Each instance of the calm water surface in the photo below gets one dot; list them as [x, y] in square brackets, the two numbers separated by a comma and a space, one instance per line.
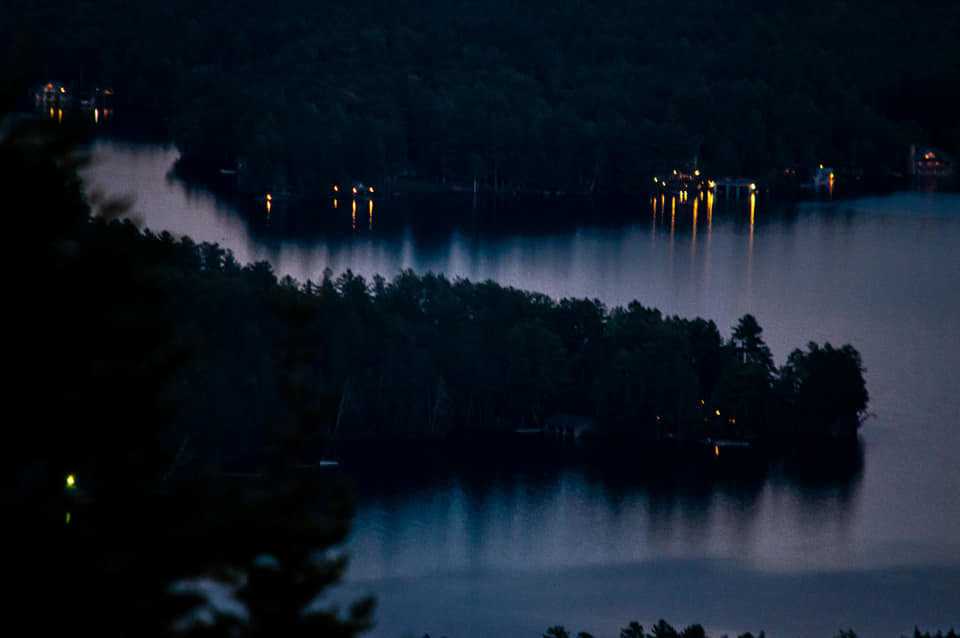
[512, 550]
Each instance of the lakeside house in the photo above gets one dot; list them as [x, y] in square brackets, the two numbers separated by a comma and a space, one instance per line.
[53, 94]
[930, 162]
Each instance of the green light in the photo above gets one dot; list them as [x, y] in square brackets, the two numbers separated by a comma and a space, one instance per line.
[68, 518]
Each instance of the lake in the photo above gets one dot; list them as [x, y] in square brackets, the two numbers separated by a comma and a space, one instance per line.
[511, 547]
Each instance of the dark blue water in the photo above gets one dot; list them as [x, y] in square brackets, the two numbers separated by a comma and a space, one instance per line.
[511, 549]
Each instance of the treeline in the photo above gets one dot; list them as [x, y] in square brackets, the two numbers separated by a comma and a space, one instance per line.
[231, 357]
[663, 629]
[589, 95]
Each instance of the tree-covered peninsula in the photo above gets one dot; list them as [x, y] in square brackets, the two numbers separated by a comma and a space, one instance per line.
[173, 354]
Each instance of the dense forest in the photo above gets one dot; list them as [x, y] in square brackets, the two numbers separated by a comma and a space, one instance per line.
[588, 95]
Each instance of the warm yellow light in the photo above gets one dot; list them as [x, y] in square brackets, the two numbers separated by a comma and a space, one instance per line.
[336, 188]
[656, 181]
[718, 412]
[334, 203]
[63, 90]
[96, 115]
[354, 190]
[753, 187]
[371, 189]
[701, 401]
[821, 166]
[697, 173]
[269, 197]
[674, 171]
[716, 450]
[71, 481]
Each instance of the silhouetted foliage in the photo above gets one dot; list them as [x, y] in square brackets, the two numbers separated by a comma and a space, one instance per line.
[109, 503]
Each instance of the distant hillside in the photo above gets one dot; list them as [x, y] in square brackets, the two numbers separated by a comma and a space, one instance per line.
[585, 94]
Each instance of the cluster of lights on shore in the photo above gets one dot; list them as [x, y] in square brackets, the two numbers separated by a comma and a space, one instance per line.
[356, 190]
[682, 183]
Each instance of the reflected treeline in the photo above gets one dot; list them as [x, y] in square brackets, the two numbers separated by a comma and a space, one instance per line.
[667, 477]
[436, 218]
[437, 507]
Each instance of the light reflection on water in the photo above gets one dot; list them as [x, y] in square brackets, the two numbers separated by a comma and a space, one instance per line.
[880, 273]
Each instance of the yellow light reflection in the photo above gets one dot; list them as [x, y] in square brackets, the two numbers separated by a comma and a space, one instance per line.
[753, 208]
[96, 115]
[716, 450]
[709, 211]
[334, 203]
[52, 113]
[71, 481]
[59, 116]
[353, 214]
[370, 213]
[693, 239]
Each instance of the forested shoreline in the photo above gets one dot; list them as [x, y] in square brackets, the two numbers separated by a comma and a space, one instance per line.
[218, 359]
[588, 96]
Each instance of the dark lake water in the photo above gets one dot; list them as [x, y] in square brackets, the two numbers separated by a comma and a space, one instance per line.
[510, 548]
